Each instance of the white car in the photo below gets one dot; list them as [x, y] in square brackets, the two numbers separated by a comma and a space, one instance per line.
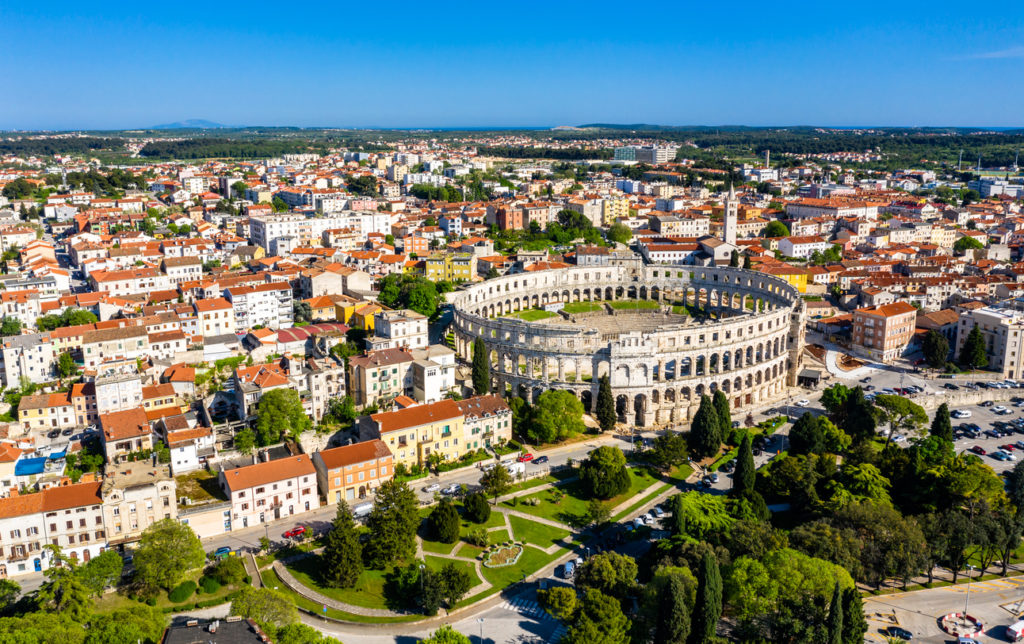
[434, 487]
[803, 402]
[998, 409]
[961, 413]
[899, 438]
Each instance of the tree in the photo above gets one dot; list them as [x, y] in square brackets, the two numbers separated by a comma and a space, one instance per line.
[264, 606]
[101, 572]
[9, 592]
[245, 440]
[972, 354]
[66, 365]
[280, 413]
[604, 474]
[455, 583]
[496, 481]
[605, 404]
[743, 476]
[609, 572]
[10, 326]
[942, 427]
[705, 431]
[597, 512]
[239, 187]
[63, 591]
[167, 550]
[444, 522]
[672, 616]
[833, 399]
[708, 607]
[859, 416]
[619, 233]
[340, 410]
[806, 436]
[746, 262]
[668, 450]
[279, 205]
[936, 349]
[900, 413]
[556, 416]
[302, 311]
[302, 634]
[559, 601]
[478, 510]
[855, 625]
[392, 522]
[342, 557]
[228, 571]
[137, 623]
[722, 411]
[734, 259]
[776, 229]
[446, 635]
[966, 243]
[598, 621]
[893, 545]
[835, 617]
[699, 515]
[481, 368]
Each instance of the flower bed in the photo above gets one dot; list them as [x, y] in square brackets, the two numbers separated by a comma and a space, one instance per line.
[501, 556]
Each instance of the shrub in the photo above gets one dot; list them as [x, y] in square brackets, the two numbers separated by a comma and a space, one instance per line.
[477, 537]
[478, 510]
[182, 591]
[209, 585]
[228, 571]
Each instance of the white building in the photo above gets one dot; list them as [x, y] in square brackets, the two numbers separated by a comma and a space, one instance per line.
[268, 491]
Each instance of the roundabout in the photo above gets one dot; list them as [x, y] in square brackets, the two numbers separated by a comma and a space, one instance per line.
[663, 335]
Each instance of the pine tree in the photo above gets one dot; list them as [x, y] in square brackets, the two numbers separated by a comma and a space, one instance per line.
[860, 416]
[673, 620]
[743, 477]
[724, 416]
[942, 427]
[481, 368]
[835, 618]
[972, 354]
[708, 608]
[605, 405]
[854, 624]
[705, 431]
[445, 522]
[342, 558]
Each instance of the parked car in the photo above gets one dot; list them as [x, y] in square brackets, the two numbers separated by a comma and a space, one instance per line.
[986, 403]
[53, 433]
[297, 531]
[568, 570]
[658, 512]
[714, 477]
[540, 459]
[433, 487]
[899, 633]
[452, 489]
[978, 449]
[803, 402]
[951, 386]
[866, 379]
[998, 409]
[525, 458]
[1000, 455]
[219, 553]
[960, 413]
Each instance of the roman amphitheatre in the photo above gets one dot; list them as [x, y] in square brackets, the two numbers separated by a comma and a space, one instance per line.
[664, 335]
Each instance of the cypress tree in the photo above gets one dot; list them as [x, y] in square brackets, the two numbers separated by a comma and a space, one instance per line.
[342, 558]
[854, 624]
[724, 416]
[705, 431]
[605, 405]
[708, 608]
[746, 262]
[481, 368]
[743, 477]
[445, 522]
[673, 620]
[973, 354]
[835, 618]
[734, 259]
[942, 427]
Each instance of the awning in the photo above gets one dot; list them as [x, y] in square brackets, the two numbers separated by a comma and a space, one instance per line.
[810, 374]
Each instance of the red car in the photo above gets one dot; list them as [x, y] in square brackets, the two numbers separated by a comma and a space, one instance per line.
[978, 449]
[297, 531]
[525, 458]
[1008, 448]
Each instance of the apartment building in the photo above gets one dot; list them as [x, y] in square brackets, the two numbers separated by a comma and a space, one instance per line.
[268, 305]
[380, 376]
[22, 535]
[73, 520]
[352, 472]
[802, 247]
[23, 305]
[271, 490]
[119, 344]
[135, 496]
[433, 373]
[182, 269]
[883, 332]
[129, 282]
[46, 412]
[488, 421]
[394, 329]
[449, 267]
[26, 356]
[124, 432]
[414, 433]
[214, 316]
[1002, 329]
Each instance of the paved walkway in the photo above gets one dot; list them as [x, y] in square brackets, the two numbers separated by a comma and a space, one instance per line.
[293, 583]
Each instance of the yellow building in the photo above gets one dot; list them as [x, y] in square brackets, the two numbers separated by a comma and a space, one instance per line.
[793, 274]
[362, 317]
[415, 433]
[449, 267]
[613, 208]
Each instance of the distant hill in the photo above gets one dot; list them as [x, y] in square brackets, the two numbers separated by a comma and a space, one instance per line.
[190, 124]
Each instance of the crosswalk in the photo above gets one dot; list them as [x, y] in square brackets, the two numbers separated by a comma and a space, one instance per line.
[992, 584]
[527, 607]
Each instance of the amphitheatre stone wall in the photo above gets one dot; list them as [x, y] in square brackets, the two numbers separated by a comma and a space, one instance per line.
[746, 339]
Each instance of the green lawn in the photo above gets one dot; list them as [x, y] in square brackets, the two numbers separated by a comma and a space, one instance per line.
[537, 533]
[436, 563]
[572, 504]
[438, 548]
[582, 307]
[368, 591]
[497, 536]
[634, 304]
[529, 562]
[532, 315]
[271, 580]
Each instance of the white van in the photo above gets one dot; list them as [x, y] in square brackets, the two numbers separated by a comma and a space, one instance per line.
[362, 510]
[1015, 632]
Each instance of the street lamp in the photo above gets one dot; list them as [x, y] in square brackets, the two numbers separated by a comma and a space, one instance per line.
[970, 570]
[481, 622]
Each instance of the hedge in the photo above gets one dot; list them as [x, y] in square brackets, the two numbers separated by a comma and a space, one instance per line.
[183, 591]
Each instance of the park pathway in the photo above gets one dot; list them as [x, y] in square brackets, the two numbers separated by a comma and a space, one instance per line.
[297, 586]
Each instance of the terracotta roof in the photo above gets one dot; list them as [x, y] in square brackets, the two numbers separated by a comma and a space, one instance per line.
[71, 496]
[479, 406]
[888, 310]
[119, 425]
[354, 454]
[416, 416]
[270, 472]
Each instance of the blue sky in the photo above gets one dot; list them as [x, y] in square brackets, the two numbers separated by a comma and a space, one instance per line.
[75, 65]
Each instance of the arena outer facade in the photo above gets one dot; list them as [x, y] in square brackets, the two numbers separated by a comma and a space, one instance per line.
[752, 353]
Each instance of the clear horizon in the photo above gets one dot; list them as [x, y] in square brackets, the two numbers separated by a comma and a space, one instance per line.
[73, 66]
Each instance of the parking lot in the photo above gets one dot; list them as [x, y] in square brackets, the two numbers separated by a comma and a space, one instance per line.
[985, 418]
